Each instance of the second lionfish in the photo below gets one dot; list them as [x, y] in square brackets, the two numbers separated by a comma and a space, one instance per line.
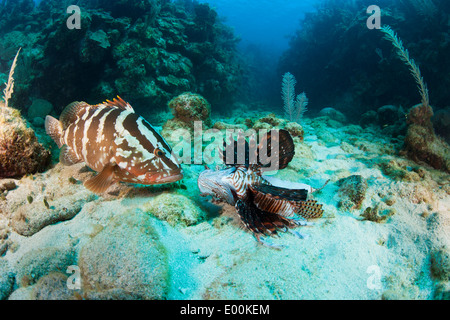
[265, 204]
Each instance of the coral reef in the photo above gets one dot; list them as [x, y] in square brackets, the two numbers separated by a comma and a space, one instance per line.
[352, 192]
[170, 243]
[330, 50]
[333, 114]
[187, 108]
[53, 287]
[145, 51]
[441, 123]
[175, 209]
[421, 143]
[20, 151]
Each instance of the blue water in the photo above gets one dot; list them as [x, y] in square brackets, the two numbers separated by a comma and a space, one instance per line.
[268, 24]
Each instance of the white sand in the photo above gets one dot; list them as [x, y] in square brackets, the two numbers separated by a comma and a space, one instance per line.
[343, 257]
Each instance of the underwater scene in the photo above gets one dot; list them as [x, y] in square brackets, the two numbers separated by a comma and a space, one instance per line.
[224, 150]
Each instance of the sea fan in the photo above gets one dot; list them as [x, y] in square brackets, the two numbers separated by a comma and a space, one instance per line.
[10, 85]
[294, 108]
[300, 106]
[404, 55]
[288, 94]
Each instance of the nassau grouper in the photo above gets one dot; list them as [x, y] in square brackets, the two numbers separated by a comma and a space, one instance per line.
[114, 141]
[264, 204]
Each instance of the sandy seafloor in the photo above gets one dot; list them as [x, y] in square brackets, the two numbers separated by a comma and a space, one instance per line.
[210, 256]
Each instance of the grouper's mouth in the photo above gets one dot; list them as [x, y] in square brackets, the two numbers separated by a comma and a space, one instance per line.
[165, 176]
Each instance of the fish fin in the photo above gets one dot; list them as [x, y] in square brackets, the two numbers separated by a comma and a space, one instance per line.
[102, 181]
[261, 222]
[310, 209]
[280, 192]
[231, 152]
[71, 111]
[119, 103]
[255, 156]
[277, 200]
[54, 129]
[283, 154]
[67, 156]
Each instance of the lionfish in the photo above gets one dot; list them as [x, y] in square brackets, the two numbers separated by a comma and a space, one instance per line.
[264, 204]
[114, 141]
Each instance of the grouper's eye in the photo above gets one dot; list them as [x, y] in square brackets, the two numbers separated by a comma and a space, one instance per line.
[158, 152]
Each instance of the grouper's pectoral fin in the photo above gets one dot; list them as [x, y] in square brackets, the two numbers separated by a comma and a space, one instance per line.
[102, 181]
[67, 156]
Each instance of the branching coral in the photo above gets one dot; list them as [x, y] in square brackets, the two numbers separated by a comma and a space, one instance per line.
[421, 143]
[294, 108]
[404, 55]
[10, 84]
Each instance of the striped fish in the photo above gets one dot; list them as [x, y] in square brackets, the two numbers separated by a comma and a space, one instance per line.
[265, 205]
[114, 141]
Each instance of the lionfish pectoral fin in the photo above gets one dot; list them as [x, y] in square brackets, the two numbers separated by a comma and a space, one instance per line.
[269, 244]
[281, 193]
[102, 181]
[262, 222]
[282, 155]
[67, 156]
[298, 234]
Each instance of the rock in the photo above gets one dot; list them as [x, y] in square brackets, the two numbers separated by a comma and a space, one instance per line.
[6, 279]
[442, 291]
[22, 293]
[53, 287]
[333, 114]
[440, 265]
[377, 215]
[20, 151]
[7, 184]
[220, 125]
[441, 123]
[387, 115]
[125, 261]
[38, 122]
[399, 170]
[352, 191]
[421, 143]
[295, 129]
[40, 262]
[175, 209]
[40, 108]
[189, 107]
[273, 120]
[368, 118]
[32, 217]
